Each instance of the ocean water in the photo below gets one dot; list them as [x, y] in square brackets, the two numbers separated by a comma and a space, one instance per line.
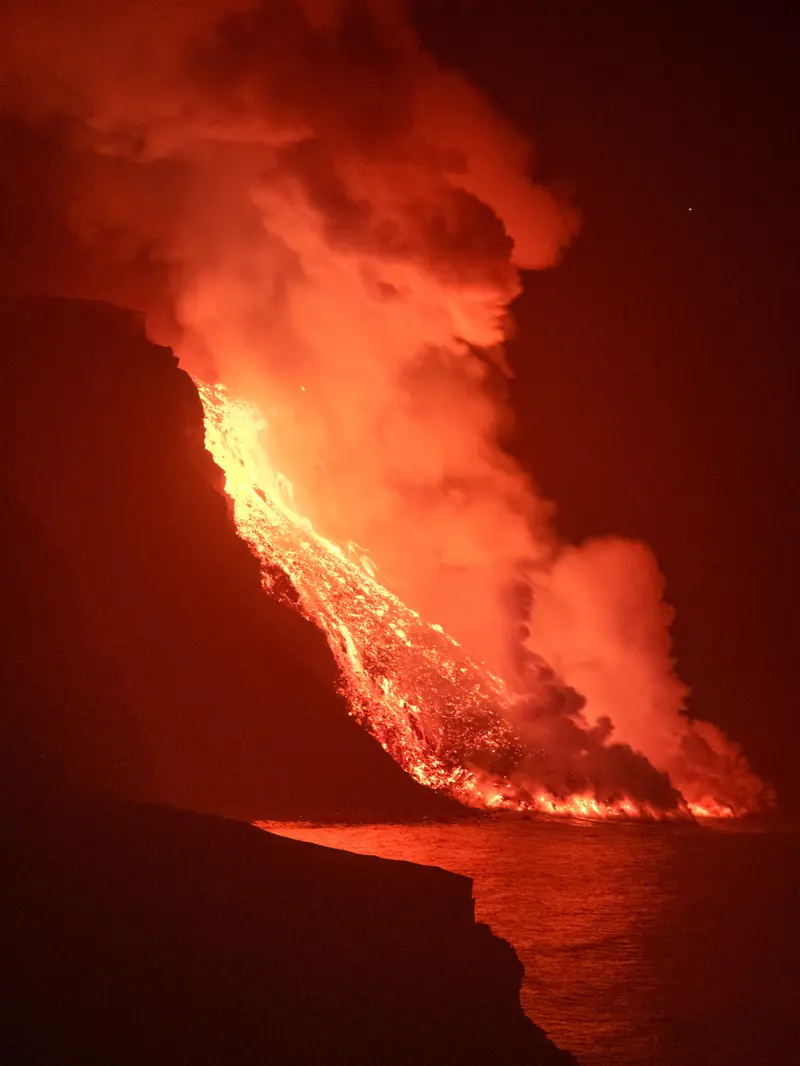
[670, 945]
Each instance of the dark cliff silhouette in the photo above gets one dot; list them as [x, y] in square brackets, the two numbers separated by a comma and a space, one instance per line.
[137, 933]
[142, 934]
[233, 694]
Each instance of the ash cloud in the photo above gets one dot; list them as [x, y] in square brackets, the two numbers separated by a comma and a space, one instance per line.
[317, 214]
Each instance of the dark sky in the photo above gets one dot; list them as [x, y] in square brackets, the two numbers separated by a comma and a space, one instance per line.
[655, 366]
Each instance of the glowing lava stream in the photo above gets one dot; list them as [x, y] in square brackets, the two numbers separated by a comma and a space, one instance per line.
[441, 715]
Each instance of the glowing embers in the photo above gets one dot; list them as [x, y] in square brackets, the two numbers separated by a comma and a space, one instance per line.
[711, 809]
[442, 716]
[438, 713]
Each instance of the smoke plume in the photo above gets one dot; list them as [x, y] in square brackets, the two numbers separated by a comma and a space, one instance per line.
[339, 225]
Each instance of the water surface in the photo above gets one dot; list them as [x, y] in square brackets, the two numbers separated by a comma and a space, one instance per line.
[642, 944]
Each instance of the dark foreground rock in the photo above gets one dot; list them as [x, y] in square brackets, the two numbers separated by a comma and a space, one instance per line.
[142, 934]
[231, 695]
[138, 656]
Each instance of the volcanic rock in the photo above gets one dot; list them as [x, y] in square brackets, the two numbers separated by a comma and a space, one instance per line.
[136, 933]
[231, 695]
[142, 934]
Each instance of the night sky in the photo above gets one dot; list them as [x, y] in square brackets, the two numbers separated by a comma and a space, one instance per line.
[655, 365]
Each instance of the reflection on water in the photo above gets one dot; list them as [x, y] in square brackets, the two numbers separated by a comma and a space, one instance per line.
[642, 944]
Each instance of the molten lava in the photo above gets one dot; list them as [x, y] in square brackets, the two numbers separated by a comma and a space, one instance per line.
[315, 202]
[445, 718]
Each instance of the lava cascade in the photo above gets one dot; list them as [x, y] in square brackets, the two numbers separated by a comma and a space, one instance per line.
[445, 717]
[317, 213]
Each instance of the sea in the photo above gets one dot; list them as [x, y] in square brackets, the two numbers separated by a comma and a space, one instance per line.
[644, 944]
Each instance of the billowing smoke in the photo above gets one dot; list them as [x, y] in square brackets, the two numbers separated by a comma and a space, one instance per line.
[601, 621]
[342, 225]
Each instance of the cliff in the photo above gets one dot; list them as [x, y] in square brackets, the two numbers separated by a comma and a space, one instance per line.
[140, 934]
[231, 696]
[138, 656]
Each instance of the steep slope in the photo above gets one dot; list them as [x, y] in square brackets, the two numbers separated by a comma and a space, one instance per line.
[233, 694]
[140, 933]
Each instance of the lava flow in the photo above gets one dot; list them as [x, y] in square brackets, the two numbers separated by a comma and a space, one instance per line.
[444, 717]
[315, 211]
